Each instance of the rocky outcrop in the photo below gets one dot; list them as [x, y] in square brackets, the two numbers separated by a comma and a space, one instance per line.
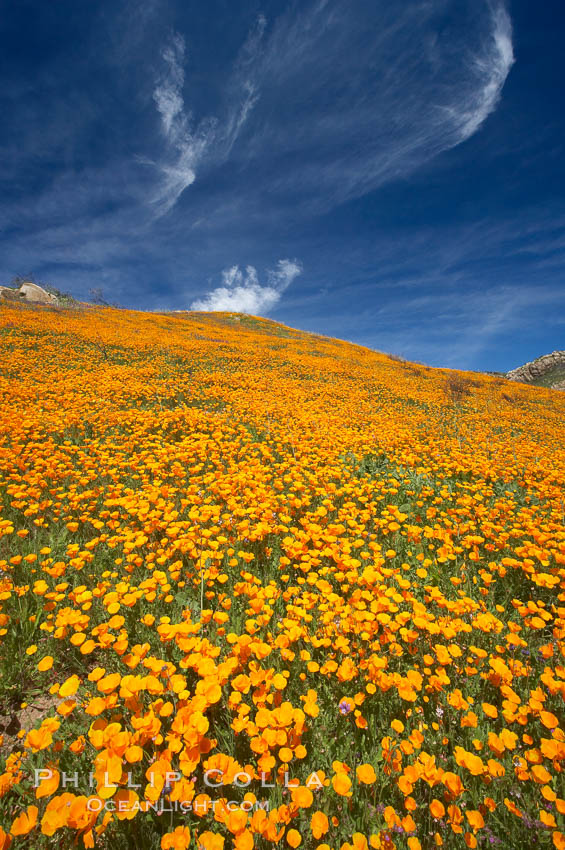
[29, 293]
[548, 371]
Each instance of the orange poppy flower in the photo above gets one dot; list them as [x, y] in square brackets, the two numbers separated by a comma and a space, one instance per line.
[24, 823]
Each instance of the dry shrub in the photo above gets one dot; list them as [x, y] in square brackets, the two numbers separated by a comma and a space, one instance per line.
[457, 388]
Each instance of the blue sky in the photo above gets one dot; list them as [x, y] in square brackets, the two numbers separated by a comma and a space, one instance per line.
[389, 172]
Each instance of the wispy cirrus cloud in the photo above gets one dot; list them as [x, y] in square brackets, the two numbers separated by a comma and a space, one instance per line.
[213, 138]
[332, 100]
[243, 88]
[355, 96]
[454, 328]
[241, 291]
[185, 147]
[491, 67]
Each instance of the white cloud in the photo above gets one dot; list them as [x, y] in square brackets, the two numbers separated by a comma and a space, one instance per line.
[357, 95]
[239, 114]
[242, 293]
[243, 91]
[491, 66]
[334, 100]
[168, 94]
[185, 148]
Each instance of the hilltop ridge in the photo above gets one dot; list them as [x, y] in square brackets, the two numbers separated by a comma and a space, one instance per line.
[545, 371]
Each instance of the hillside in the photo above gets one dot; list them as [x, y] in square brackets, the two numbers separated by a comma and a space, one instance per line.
[235, 552]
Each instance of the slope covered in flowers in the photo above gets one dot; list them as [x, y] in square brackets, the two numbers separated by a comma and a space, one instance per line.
[265, 589]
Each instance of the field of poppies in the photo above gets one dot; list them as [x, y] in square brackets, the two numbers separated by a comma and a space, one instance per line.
[260, 588]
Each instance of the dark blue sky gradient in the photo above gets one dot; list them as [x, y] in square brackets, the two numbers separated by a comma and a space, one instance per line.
[391, 173]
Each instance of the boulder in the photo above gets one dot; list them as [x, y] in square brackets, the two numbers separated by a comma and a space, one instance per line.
[36, 294]
[8, 294]
[29, 292]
